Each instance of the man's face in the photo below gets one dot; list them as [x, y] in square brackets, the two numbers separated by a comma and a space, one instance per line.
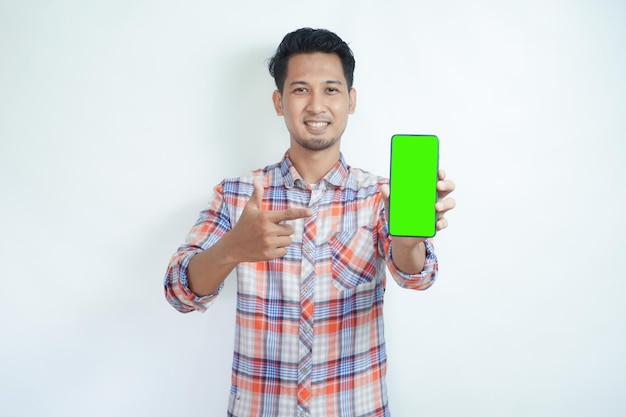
[315, 101]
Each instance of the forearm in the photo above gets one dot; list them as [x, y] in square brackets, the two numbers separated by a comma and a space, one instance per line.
[208, 269]
[409, 257]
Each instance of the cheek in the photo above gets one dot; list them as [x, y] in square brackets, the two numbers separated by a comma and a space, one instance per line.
[341, 109]
[291, 110]
[291, 120]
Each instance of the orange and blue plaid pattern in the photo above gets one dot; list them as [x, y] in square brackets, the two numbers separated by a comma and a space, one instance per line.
[309, 328]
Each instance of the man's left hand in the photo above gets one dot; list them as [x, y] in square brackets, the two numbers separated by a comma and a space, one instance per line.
[443, 205]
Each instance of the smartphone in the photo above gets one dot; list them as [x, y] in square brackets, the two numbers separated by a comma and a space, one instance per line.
[413, 185]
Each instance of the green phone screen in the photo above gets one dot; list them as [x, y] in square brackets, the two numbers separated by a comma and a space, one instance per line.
[413, 185]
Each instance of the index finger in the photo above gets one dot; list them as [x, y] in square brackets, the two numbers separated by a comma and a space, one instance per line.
[289, 214]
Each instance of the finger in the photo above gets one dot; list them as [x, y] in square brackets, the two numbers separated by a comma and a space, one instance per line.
[444, 188]
[446, 185]
[256, 199]
[442, 224]
[277, 248]
[289, 214]
[441, 174]
[277, 253]
[445, 205]
[283, 241]
[284, 229]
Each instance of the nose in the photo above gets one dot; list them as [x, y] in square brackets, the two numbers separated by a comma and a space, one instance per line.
[316, 103]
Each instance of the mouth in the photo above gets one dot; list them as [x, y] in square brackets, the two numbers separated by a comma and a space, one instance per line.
[316, 124]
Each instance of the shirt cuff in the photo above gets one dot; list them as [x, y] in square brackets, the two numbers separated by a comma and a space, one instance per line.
[179, 294]
[421, 280]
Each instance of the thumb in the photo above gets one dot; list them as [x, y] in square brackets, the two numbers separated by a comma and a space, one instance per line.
[384, 192]
[256, 199]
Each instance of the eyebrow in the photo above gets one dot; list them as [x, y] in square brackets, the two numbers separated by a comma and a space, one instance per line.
[306, 83]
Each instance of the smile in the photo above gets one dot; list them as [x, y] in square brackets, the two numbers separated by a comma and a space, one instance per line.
[317, 125]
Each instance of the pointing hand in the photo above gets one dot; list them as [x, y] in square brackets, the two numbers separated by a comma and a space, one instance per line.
[260, 235]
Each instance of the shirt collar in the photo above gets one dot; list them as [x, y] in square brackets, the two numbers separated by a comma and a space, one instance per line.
[337, 176]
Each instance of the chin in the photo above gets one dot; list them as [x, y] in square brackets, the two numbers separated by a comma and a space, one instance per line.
[316, 144]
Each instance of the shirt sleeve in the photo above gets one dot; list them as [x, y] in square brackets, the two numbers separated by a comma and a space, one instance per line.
[420, 281]
[211, 225]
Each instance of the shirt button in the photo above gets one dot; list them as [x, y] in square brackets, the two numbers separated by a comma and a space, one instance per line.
[305, 371]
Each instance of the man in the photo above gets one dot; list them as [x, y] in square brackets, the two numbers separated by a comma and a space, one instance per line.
[309, 239]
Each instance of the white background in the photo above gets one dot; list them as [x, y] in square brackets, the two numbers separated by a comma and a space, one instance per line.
[118, 117]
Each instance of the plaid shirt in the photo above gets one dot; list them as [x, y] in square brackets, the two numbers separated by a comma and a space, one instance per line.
[309, 330]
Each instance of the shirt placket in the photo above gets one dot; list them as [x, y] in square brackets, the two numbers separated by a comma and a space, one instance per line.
[307, 286]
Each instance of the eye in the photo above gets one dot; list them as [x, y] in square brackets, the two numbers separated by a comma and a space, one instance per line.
[332, 90]
[300, 90]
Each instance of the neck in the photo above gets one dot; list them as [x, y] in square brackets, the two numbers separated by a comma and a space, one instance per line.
[313, 165]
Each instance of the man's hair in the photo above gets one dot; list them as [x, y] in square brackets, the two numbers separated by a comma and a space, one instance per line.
[307, 41]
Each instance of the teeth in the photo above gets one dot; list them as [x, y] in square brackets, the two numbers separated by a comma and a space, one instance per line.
[317, 124]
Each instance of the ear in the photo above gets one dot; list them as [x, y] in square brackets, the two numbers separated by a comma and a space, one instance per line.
[277, 98]
[352, 103]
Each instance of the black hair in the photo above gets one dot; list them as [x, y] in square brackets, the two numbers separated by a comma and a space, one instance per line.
[307, 40]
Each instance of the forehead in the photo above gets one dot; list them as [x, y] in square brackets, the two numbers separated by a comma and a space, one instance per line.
[313, 66]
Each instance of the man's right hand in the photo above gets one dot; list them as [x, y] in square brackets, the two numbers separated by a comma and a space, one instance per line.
[261, 235]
